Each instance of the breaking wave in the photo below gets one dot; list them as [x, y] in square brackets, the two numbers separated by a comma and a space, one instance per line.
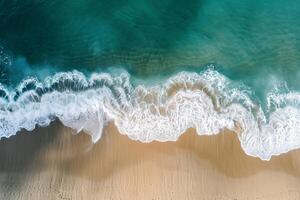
[207, 101]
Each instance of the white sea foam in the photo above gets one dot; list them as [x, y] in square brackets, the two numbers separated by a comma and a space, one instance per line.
[208, 102]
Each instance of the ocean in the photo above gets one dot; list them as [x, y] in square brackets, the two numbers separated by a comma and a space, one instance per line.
[155, 69]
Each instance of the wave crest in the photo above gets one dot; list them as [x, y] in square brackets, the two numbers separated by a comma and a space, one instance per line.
[208, 102]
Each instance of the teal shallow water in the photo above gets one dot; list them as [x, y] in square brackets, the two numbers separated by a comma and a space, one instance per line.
[252, 47]
[247, 38]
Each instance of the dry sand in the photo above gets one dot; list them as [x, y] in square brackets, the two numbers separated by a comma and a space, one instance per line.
[51, 163]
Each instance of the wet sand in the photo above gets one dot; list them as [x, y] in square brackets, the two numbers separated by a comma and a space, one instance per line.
[53, 163]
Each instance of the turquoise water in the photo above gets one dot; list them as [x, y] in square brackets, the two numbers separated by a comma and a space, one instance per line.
[155, 68]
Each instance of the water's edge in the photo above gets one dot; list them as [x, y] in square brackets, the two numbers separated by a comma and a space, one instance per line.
[206, 101]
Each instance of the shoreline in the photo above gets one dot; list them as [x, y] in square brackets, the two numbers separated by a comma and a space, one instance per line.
[53, 163]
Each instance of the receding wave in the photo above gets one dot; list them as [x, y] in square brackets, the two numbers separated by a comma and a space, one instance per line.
[207, 101]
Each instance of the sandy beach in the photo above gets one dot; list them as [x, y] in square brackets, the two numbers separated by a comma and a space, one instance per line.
[53, 163]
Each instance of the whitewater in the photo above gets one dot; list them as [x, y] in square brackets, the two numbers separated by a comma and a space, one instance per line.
[207, 101]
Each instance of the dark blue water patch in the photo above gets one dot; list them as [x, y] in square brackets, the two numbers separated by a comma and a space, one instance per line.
[3, 94]
[73, 32]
